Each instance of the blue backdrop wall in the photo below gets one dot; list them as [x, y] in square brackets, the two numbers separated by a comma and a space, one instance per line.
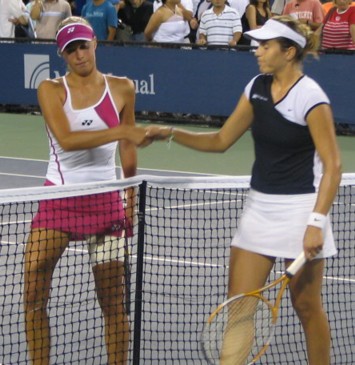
[197, 81]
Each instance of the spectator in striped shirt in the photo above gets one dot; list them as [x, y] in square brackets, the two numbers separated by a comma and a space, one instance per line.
[220, 25]
[339, 26]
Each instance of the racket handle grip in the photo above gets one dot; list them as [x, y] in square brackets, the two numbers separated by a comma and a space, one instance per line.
[296, 265]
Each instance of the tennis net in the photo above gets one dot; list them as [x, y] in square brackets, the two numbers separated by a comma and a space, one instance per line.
[178, 261]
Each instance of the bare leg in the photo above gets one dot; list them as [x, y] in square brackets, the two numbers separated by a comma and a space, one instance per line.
[247, 271]
[109, 278]
[43, 249]
[238, 335]
[306, 289]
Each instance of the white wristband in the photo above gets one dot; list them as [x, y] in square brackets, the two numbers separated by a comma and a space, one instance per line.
[317, 220]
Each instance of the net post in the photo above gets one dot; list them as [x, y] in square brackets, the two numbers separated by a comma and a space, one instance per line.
[139, 273]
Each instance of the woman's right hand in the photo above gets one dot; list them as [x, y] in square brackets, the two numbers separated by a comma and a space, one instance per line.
[158, 133]
[139, 137]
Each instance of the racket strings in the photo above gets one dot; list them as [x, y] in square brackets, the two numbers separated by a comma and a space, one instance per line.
[239, 332]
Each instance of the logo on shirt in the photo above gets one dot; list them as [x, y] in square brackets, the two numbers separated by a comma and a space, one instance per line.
[36, 69]
[260, 97]
[87, 122]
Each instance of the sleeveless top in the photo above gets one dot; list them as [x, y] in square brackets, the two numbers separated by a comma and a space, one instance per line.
[88, 165]
[174, 30]
[261, 19]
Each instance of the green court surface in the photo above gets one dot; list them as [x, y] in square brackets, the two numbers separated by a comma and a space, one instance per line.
[24, 136]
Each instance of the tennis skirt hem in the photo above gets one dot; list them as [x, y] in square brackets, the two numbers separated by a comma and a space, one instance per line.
[274, 225]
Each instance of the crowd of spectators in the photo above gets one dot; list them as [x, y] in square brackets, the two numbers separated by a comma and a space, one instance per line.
[204, 22]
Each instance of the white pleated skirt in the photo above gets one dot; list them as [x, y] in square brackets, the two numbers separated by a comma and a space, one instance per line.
[274, 225]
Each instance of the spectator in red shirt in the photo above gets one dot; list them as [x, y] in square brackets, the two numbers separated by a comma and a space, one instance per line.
[339, 26]
[309, 12]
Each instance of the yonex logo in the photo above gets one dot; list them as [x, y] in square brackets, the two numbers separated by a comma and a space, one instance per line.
[87, 122]
[70, 30]
[36, 68]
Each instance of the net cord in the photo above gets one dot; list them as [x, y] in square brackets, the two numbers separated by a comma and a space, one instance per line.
[209, 182]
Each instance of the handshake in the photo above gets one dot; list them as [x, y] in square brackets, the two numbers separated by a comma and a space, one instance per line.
[143, 137]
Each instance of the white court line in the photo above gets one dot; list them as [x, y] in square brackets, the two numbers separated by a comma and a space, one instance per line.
[148, 210]
[117, 167]
[151, 258]
[16, 222]
[195, 263]
[22, 175]
[24, 159]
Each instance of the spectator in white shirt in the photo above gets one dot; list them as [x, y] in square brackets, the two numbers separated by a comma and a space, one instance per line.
[12, 12]
[220, 25]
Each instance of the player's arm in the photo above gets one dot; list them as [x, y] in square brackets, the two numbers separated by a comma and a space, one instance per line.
[235, 126]
[51, 96]
[127, 150]
[321, 125]
[128, 153]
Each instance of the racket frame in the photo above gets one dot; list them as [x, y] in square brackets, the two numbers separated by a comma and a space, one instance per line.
[274, 307]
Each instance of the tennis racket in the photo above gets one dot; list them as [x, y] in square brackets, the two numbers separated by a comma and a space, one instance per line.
[240, 330]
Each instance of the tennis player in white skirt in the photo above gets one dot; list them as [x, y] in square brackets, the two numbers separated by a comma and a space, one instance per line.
[295, 176]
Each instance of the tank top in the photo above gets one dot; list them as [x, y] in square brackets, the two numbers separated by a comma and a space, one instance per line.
[89, 165]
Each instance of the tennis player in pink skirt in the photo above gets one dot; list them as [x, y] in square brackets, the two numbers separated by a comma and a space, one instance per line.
[86, 114]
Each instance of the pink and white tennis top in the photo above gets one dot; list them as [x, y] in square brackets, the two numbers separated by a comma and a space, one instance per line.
[88, 165]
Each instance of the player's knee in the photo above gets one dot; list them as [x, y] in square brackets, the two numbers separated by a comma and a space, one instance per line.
[306, 307]
[111, 306]
[35, 297]
[34, 305]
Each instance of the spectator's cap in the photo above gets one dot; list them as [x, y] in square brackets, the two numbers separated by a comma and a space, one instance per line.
[73, 32]
[274, 29]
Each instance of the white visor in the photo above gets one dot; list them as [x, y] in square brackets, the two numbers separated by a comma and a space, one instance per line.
[274, 29]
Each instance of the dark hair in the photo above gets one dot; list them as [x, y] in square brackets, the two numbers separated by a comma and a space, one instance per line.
[266, 4]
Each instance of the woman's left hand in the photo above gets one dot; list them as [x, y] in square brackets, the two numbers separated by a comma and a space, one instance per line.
[313, 242]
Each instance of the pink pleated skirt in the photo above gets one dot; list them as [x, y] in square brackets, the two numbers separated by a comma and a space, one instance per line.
[101, 214]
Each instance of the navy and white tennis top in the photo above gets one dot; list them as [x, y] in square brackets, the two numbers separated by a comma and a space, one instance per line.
[88, 165]
[286, 161]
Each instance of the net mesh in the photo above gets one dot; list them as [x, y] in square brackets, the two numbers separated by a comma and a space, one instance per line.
[178, 259]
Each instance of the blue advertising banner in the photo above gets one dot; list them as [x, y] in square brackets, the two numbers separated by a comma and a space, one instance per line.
[196, 81]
